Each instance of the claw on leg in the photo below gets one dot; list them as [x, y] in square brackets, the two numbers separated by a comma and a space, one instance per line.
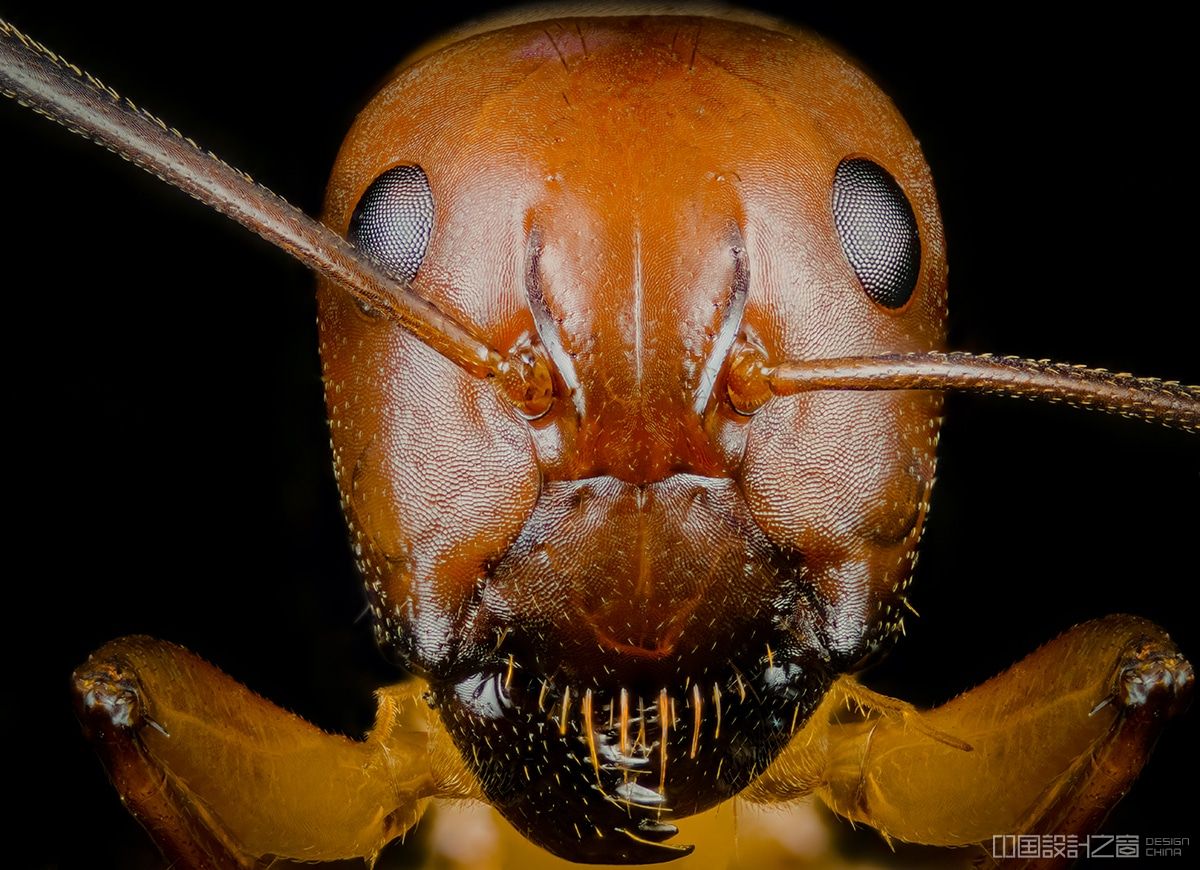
[223, 778]
[1048, 746]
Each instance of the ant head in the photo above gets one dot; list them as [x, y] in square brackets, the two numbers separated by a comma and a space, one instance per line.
[613, 567]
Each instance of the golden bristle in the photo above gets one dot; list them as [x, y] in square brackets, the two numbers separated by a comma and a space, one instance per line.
[566, 709]
[591, 737]
[624, 739]
[665, 725]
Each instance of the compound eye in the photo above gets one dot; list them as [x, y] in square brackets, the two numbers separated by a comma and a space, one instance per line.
[393, 220]
[878, 230]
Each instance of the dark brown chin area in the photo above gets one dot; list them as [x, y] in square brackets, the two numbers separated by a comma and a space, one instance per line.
[639, 654]
[596, 774]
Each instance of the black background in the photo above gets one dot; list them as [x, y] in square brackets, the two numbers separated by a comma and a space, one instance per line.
[167, 462]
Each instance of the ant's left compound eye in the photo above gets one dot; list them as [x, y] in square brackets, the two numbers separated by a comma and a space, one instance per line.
[394, 219]
[878, 230]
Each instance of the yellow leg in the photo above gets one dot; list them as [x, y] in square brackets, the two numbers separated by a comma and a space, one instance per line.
[1049, 746]
[222, 778]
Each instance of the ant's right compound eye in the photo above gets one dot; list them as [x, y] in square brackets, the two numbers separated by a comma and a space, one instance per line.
[878, 231]
[394, 219]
